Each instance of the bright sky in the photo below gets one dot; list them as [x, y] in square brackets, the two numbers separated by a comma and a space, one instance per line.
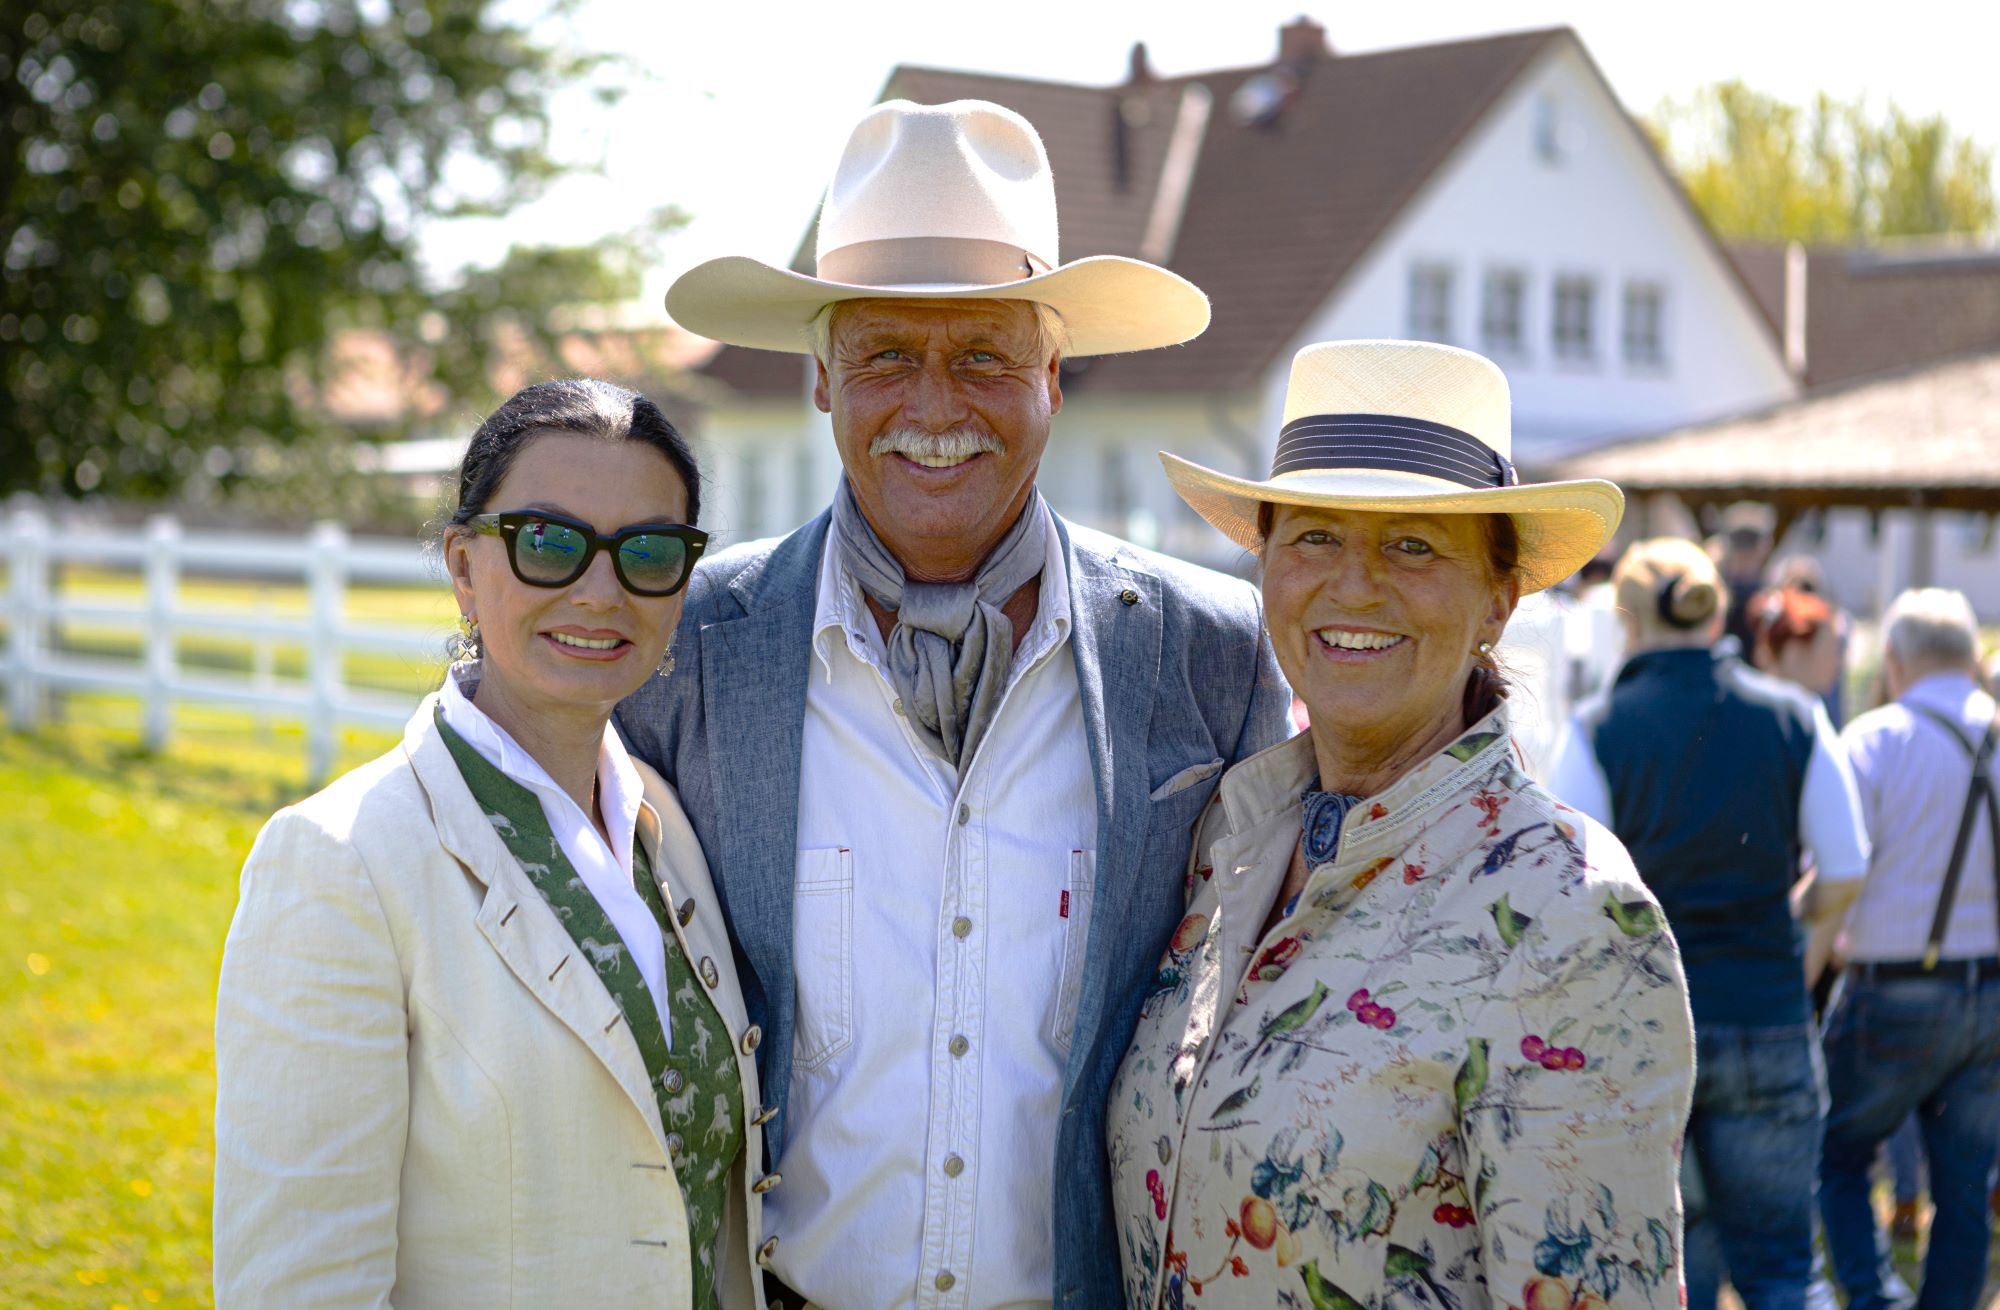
[749, 101]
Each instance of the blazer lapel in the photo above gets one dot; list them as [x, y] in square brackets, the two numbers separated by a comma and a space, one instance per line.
[1115, 625]
[517, 921]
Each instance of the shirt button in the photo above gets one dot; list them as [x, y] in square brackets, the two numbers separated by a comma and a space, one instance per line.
[766, 1251]
[961, 927]
[672, 1081]
[944, 1282]
[953, 1166]
[770, 1112]
[767, 1182]
[751, 1037]
[959, 1046]
[964, 814]
[899, 705]
[709, 973]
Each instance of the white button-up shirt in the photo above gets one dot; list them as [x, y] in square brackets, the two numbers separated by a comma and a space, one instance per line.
[606, 870]
[1913, 780]
[939, 932]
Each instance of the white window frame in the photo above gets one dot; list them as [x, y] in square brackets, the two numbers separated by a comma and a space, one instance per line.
[1654, 358]
[1568, 345]
[1431, 290]
[1515, 345]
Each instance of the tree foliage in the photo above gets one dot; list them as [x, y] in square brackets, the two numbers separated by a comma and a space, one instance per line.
[198, 195]
[1832, 171]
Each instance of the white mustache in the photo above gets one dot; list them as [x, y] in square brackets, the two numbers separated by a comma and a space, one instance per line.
[953, 444]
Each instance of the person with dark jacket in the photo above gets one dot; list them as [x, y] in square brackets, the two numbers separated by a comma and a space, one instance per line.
[1718, 779]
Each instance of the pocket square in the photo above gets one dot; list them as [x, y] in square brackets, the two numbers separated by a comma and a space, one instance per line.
[1187, 778]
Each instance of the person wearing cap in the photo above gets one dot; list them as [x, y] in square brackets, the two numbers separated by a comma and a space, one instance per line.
[1421, 1037]
[1718, 779]
[945, 749]
[1915, 1020]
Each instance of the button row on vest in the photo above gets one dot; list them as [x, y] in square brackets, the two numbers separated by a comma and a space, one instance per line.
[675, 1146]
[765, 1115]
[767, 1182]
[766, 1251]
[687, 912]
[751, 1037]
[672, 1081]
[709, 973]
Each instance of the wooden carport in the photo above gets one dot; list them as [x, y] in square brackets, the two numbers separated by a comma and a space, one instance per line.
[1925, 439]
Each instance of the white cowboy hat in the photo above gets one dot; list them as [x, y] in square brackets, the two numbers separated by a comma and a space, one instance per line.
[1407, 425]
[933, 202]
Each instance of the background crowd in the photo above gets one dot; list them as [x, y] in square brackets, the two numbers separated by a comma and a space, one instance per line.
[1827, 861]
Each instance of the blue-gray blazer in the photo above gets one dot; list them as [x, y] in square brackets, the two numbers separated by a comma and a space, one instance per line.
[1178, 682]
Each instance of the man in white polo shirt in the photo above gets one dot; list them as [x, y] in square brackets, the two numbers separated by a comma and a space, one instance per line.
[1915, 1025]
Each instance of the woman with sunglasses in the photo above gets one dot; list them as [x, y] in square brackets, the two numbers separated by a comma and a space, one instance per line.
[478, 1037]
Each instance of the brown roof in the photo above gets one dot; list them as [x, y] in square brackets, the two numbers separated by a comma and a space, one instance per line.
[1927, 435]
[1278, 210]
[1873, 310]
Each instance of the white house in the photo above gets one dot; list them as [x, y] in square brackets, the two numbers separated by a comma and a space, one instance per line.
[1490, 193]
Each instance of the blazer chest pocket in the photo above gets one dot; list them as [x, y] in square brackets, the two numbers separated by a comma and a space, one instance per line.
[823, 956]
[1078, 899]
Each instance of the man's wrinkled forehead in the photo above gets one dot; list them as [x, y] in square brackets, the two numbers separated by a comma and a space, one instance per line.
[957, 322]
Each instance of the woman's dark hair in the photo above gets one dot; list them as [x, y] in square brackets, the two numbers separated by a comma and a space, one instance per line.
[1487, 686]
[584, 406]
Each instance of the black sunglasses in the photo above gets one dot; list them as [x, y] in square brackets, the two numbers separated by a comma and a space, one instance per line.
[552, 550]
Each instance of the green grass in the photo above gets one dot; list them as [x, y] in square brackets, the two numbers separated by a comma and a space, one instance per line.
[116, 887]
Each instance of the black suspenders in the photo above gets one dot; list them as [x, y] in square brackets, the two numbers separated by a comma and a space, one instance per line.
[1982, 787]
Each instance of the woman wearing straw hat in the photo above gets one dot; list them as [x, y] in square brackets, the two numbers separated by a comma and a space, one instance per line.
[1422, 1031]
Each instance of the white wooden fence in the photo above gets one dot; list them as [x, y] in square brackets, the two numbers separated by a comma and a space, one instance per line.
[325, 558]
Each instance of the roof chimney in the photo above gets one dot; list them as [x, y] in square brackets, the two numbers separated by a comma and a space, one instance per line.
[1302, 43]
[1139, 71]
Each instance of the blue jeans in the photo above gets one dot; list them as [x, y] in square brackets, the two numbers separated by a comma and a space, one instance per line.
[1754, 1134]
[1931, 1045]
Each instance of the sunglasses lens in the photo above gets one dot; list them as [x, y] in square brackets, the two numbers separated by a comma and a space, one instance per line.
[548, 552]
[653, 562]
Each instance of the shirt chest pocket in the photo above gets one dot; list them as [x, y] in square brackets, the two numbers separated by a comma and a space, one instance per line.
[823, 956]
[1078, 897]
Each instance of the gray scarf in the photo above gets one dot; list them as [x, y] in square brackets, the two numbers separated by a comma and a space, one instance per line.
[951, 648]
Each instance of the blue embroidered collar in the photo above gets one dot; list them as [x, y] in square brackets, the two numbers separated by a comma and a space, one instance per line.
[1323, 813]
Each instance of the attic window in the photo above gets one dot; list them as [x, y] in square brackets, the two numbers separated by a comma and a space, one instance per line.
[1549, 146]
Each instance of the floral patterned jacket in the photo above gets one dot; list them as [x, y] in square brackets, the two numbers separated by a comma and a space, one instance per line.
[1454, 1074]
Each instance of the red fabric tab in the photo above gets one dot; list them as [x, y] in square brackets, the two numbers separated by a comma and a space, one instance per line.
[1065, 905]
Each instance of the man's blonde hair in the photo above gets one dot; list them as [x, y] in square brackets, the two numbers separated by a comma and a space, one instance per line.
[1052, 334]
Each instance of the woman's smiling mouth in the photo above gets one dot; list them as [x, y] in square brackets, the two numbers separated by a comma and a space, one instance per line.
[1349, 641]
[578, 645]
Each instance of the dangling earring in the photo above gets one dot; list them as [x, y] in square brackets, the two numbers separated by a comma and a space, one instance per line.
[468, 638]
[666, 661]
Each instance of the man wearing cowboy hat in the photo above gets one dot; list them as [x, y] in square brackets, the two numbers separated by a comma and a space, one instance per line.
[943, 749]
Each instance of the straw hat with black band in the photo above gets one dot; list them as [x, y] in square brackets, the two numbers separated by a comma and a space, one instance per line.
[1411, 426]
[941, 202]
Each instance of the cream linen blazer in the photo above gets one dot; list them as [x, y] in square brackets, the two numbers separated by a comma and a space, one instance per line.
[422, 1097]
